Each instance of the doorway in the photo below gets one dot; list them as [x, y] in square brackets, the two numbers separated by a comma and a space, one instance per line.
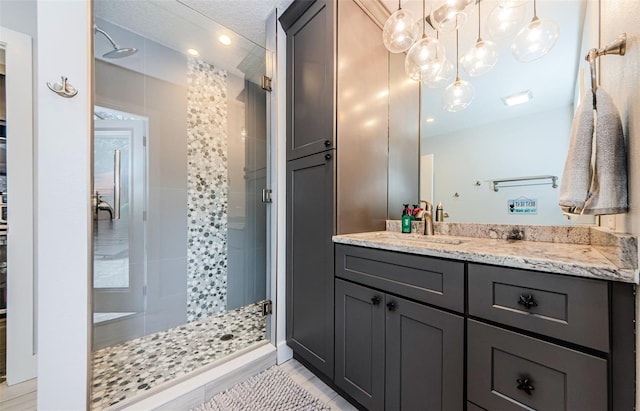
[119, 194]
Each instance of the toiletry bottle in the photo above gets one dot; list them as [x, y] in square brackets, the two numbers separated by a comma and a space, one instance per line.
[406, 219]
[439, 212]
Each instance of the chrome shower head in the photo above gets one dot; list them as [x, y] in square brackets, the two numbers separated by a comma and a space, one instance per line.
[120, 53]
[117, 52]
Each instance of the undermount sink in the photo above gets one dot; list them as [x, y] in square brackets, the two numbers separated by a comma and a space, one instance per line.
[418, 238]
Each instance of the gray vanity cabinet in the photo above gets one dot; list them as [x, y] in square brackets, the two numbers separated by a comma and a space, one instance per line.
[424, 357]
[360, 343]
[510, 371]
[336, 183]
[548, 341]
[309, 279]
[310, 83]
[393, 353]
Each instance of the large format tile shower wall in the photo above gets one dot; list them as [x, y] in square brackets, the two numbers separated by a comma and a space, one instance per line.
[207, 190]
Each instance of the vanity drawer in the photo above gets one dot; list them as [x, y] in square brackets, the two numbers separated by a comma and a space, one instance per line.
[430, 280]
[510, 371]
[564, 307]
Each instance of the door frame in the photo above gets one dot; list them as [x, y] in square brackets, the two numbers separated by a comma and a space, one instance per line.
[21, 349]
[130, 299]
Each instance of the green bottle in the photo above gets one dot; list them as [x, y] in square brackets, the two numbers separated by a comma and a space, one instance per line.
[406, 219]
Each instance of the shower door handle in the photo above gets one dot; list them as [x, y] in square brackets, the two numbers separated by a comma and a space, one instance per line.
[117, 184]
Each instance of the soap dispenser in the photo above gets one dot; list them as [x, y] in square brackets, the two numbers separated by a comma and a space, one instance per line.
[406, 219]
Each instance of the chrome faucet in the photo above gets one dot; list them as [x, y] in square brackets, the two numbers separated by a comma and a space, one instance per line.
[428, 217]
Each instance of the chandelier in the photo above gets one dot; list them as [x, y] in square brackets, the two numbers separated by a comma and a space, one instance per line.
[426, 59]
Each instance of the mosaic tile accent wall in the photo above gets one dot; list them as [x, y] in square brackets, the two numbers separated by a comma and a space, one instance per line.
[207, 190]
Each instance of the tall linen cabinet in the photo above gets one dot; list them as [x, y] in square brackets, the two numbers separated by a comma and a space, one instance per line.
[337, 157]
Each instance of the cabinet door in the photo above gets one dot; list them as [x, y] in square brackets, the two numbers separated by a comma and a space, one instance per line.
[360, 343]
[424, 357]
[310, 224]
[510, 371]
[310, 85]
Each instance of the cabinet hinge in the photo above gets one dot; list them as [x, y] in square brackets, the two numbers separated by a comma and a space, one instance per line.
[267, 308]
[266, 195]
[266, 83]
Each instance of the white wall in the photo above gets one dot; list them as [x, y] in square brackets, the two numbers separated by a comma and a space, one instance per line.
[63, 206]
[493, 151]
[620, 76]
[19, 15]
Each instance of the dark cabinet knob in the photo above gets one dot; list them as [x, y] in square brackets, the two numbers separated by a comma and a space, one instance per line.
[527, 301]
[327, 143]
[524, 384]
[327, 156]
[391, 306]
[375, 300]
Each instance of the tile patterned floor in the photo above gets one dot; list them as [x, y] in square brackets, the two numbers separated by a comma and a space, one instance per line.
[22, 397]
[125, 370]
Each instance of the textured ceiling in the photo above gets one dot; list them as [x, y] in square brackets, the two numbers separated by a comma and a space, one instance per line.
[246, 17]
[197, 24]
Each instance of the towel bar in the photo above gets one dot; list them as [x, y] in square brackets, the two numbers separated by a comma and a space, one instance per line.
[534, 181]
[616, 47]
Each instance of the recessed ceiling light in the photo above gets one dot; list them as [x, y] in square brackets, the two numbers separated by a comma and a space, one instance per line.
[430, 119]
[193, 52]
[224, 39]
[519, 98]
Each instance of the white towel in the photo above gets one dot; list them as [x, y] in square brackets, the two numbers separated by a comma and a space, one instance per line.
[594, 180]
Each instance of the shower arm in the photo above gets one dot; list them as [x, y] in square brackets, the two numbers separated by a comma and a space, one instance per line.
[104, 33]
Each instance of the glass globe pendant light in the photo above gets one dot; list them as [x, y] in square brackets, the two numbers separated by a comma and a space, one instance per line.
[536, 39]
[482, 56]
[504, 21]
[459, 94]
[400, 30]
[443, 76]
[425, 57]
[451, 15]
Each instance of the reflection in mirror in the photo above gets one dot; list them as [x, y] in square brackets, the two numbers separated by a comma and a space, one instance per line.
[464, 152]
[180, 275]
[3, 246]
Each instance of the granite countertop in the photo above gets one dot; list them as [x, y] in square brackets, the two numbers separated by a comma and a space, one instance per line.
[579, 258]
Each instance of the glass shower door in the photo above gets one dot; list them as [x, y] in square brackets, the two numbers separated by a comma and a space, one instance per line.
[118, 217]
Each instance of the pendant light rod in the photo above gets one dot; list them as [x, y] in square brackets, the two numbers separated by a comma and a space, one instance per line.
[535, 12]
[479, 38]
[424, 8]
[457, 58]
[399, 4]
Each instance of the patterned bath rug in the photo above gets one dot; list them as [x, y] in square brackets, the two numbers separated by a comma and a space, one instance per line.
[271, 390]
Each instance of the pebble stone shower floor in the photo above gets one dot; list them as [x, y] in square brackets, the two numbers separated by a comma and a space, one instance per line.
[122, 371]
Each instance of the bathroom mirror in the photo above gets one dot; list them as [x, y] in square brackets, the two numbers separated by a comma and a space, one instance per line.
[462, 153]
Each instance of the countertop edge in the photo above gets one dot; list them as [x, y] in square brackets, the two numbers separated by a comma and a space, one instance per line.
[531, 263]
